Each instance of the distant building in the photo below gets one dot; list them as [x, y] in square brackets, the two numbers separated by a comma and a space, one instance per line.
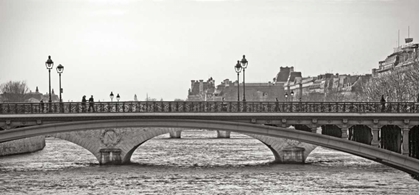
[319, 88]
[201, 91]
[228, 91]
[404, 56]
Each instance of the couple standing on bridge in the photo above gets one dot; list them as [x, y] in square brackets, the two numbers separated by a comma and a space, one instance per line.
[91, 103]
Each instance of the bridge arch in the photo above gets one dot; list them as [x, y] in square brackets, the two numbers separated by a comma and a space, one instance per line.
[389, 158]
[135, 137]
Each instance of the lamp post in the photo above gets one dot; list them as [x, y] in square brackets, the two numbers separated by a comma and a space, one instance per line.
[244, 64]
[292, 94]
[60, 69]
[285, 95]
[49, 64]
[111, 96]
[118, 97]
[238, 69]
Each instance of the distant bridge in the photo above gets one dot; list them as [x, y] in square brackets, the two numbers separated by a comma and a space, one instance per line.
[113, 130]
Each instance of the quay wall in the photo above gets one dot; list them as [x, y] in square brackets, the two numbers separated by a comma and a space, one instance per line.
[21, 146]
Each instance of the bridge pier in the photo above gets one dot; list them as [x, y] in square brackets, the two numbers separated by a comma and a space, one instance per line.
[405, 131]
[286, 151]
[344, 134]
[175, 134]
[293, 155]
[375, 134]
[223, 134]
[314, 129]
[110, 156]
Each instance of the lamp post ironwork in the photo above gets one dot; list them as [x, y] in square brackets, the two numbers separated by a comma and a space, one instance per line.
[238, 69]
[60, 69]
[118, 97]
[244, 64]
[111, 96]
[49, 64]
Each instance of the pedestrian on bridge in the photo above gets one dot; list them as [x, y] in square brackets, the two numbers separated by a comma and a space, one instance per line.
[84, 103]
[277, 105]
[383, 103]
[91, 104]
[41, 105]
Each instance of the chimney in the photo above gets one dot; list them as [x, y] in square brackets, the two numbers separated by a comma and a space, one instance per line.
[226, 81]
[192, 84]
[200, 87]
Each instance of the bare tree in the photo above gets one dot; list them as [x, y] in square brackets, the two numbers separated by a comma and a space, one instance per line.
[398, 85]
[14, 91]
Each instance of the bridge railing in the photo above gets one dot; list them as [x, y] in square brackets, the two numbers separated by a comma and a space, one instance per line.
[210, 106]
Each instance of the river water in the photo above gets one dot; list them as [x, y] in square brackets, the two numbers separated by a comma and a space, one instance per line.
[197, 164]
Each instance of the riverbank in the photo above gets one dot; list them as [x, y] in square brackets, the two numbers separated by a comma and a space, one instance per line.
[21, 146]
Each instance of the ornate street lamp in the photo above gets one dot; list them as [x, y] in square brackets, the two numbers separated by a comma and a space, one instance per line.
[60, 69]
[292, 94]
[244, 64]
[238, 69]
[118, 97]
[49, 64]
[111, 96]
[285, 95]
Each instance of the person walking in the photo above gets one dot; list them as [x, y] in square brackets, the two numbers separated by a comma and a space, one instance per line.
[84, 103]
[41, 105]
[91, 104]
[383, 103]
[277, 108]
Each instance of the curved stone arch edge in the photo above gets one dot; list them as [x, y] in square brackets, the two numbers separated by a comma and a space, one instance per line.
[398, 161]
[268, 141]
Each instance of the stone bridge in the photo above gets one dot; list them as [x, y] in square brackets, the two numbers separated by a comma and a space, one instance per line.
[388, 135]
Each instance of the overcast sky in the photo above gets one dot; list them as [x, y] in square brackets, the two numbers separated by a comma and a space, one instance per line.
[157, 47]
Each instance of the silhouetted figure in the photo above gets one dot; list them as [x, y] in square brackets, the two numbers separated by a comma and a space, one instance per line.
[91, 104]
[84, 103]
[277, 109]
[41, 105]
[224, 105]
[383, 104]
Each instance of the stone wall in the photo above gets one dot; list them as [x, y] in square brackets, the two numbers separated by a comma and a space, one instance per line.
[21, 146]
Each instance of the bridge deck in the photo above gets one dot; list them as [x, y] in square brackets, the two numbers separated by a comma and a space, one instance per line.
[209, 107]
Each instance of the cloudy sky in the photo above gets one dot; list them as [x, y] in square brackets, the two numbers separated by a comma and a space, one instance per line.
[157, 47]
